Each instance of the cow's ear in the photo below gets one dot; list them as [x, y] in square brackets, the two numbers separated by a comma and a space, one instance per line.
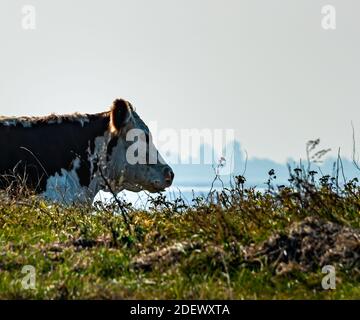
[120, 114]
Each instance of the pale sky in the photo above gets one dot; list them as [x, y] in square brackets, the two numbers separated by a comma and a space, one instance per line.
[265, 68]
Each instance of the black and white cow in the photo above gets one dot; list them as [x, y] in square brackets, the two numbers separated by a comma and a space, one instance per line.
[66, 158]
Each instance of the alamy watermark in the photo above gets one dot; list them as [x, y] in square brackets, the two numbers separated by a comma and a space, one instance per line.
[329, 281]
[28, 20]
[185, 146]
[29, 280]
[328, 21]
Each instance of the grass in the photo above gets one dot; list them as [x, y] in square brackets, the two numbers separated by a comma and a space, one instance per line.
[220, 247]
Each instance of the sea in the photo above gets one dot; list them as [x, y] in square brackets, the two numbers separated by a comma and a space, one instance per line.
[143, 199]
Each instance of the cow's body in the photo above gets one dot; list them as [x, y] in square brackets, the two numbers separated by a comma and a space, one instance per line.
[66, 158]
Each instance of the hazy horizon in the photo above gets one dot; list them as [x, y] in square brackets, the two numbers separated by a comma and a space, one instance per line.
[265, 69]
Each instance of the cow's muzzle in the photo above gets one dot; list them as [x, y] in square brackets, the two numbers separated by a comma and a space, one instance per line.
[164, 182]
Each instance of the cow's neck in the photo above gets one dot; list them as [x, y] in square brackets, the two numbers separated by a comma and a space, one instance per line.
[80, 180]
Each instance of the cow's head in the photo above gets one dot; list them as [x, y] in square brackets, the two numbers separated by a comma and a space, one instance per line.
[132, 159]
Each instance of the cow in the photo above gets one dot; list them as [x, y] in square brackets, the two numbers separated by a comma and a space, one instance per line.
[69, 158]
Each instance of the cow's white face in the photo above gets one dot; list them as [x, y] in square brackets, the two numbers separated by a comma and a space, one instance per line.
[132, 161]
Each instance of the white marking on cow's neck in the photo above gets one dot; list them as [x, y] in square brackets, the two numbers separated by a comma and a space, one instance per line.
[109, 167]
[65, 187]
[97, 156]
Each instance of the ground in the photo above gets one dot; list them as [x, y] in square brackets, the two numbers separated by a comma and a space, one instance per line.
[237, 244]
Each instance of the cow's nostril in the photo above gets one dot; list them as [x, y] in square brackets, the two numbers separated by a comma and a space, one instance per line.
[168, 175]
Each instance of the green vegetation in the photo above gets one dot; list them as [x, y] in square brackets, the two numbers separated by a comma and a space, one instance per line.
[235, 244]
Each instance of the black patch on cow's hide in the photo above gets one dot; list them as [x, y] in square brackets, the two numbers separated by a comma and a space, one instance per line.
[84, 172]
[47, 146]
[111, 146]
